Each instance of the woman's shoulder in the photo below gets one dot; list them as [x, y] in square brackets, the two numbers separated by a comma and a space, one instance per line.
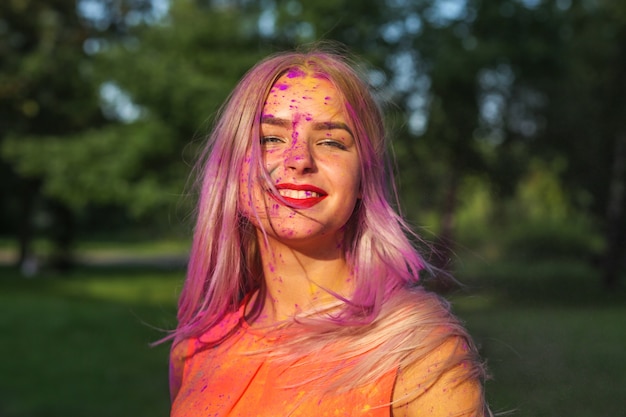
[425, 319]
[441, 370]
[223, 327]
[418, 308]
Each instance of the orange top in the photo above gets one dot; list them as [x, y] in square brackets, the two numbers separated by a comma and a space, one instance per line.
[226, 380]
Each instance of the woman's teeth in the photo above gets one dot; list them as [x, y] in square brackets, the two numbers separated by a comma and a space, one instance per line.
[297, 194]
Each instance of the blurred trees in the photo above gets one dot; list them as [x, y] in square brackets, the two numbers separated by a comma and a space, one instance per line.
[516, 101]
[564, 102]
[44, 90]
[60, 153]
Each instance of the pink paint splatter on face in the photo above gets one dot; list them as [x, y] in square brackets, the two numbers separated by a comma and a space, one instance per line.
[282, 86]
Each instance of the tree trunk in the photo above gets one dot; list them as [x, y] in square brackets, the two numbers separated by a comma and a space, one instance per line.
[62, 236]
[444, 244]
[25, 233]
[615, 216]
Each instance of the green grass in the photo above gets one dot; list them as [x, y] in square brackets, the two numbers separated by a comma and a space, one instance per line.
[553, 339]
[554, 362]
[77, 344]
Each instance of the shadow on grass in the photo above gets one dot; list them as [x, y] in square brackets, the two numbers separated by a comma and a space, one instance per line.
[546, 283]
[551, 334]
[78, 344]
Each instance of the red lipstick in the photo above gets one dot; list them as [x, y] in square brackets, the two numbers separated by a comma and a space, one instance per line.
[304, 202]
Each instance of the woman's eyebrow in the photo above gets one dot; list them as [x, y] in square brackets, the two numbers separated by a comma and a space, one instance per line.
[332, 126]
[275, 121]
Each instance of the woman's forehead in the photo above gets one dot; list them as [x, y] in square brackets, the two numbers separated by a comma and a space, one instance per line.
[304, 97]
[301, 80]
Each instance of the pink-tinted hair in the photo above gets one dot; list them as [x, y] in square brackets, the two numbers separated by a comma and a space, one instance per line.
[225, 265]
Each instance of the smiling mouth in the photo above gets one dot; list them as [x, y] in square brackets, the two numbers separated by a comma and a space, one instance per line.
[299, 196]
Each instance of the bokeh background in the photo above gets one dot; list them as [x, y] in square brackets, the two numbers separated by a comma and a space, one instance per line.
[508, 120]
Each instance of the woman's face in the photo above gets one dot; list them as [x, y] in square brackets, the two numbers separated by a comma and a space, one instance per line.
[311, 157]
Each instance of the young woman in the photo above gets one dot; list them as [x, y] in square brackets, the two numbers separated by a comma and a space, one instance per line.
[302, 295]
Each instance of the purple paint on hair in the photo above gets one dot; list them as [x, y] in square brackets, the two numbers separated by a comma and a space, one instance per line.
[295, 72]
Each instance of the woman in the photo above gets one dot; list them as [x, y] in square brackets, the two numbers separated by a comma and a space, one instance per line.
[301, 297]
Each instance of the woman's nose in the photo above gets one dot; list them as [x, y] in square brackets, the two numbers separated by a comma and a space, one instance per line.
[299, 157]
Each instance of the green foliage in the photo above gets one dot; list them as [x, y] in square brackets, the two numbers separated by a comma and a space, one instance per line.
[46, 77]
[538, 221]
[480, 93]
[476, 212]
[545, 223]
[550, 240]
[100, 166]
[540, 194]
[57, 149]
[182, 70]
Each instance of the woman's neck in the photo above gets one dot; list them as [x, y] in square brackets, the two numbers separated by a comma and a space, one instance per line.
[300, 279]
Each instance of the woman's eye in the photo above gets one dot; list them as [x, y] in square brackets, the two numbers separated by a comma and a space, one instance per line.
[266, 140]
[334, 143]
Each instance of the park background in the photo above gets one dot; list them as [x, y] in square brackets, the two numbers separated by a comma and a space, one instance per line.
[507, 118]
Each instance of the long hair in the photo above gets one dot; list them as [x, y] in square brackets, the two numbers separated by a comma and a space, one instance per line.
[387, 315]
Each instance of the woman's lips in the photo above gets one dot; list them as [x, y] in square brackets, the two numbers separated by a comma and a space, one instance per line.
[299, 195]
